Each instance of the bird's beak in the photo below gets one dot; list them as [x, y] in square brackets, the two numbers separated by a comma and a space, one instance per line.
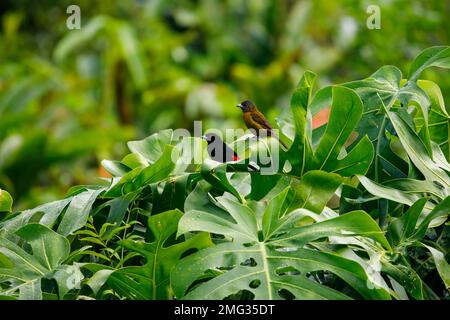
[204, 137]
[239, 105]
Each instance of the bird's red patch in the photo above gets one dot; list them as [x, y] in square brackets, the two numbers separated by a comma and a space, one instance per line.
[235, 158]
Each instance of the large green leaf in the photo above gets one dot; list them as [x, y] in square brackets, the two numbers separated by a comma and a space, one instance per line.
[151, 281]
[132, 283]
[438, 118]
[152, 147]
[417, 151]
[385, 87]
[441, 265]
[45, 214]
[406, 276]
[49, 250]
[274, 263]
[172, 195]
[400, 229]
[440, 212]
[300, 150]
[414, 186]
[350, 224]
[140, 177]
[387, 192]
[383, 84]
[346, 110]
[78, 211]
[262, 185]
[405, 233]
[431, 57]
[314, 190]
[329, 154]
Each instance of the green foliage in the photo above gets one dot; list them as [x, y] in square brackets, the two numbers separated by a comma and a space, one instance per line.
[326, 154]
[24, 271]
[274, 264]
[69, 98]
[357, 209]
[160, 255]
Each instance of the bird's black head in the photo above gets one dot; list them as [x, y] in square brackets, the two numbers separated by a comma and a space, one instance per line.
[210, 137]
[246, 106]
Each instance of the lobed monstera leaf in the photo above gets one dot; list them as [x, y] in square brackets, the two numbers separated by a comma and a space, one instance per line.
[24, 271]
[151, 281]
[328, 153]
[386, 86]
[405, 146]
[346, 111]
[266, 255]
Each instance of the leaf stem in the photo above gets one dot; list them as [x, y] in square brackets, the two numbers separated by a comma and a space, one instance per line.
[377, 152]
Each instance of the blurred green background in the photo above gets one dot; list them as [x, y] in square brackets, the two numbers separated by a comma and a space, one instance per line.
[70, 98]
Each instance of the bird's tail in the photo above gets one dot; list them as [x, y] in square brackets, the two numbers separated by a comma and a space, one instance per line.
[253, 166]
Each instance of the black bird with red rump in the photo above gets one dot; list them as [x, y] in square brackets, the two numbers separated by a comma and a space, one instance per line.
[219, 151]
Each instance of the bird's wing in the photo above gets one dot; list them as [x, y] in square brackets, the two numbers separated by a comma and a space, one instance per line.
[259, 118]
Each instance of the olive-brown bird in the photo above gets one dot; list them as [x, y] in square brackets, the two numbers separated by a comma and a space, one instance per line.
[254, 119]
